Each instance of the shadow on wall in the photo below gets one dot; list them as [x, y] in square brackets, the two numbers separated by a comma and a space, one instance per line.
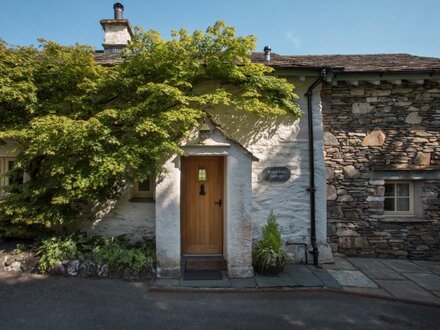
[249, 129]
[276, 141]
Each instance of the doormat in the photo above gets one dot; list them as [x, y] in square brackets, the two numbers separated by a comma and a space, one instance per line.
[194, 275]
[205, 264]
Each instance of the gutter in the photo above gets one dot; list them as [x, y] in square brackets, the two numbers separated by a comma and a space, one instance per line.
[312, 188]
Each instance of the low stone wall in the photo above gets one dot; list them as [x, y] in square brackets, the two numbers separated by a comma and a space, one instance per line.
[370, 130]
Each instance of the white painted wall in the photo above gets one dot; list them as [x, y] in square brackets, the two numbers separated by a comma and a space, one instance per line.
[168, 220]
[136, 220]
[277, 142]
[284, 142]
[116, 34]
[237, 219]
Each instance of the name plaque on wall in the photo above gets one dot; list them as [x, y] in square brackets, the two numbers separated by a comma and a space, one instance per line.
[276, 174]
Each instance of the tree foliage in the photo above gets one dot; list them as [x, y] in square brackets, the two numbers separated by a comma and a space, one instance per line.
[85, 129]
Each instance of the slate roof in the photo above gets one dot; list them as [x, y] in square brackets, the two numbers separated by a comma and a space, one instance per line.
[347, 63]
[355, 63]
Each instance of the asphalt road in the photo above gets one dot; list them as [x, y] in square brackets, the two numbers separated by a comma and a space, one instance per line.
[30, 302]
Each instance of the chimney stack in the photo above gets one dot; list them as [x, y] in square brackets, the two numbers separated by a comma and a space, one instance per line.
[267, 51]
[117, 31]
[119, 10]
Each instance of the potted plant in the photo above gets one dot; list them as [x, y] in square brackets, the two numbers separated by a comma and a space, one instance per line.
[268, 255]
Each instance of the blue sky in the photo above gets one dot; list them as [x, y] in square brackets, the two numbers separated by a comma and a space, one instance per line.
[288, 26]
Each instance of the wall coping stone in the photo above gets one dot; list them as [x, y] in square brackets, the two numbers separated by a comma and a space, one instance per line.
[407, 175]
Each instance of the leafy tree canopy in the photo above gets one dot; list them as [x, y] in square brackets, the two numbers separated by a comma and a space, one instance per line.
[85, 129]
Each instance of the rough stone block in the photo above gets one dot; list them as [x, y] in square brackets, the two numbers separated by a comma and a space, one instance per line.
[361, 243]
[413, 118]
[331, 193]
[381, 93]
[330, 140]
[357, 91]
[330, 173]
[423, 159]
[375, 138]
[345, 198]
[361, 108]
[351, 172]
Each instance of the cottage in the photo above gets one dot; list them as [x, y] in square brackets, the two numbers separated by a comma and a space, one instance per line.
[358, 174]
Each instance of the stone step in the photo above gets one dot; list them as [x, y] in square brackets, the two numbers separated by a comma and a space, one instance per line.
[205, 263]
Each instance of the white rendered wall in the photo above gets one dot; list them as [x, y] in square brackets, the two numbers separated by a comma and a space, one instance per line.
[168, 220]
[133, 219]
[116, 34]
[284, 142]
[276, 142]
[237, 221]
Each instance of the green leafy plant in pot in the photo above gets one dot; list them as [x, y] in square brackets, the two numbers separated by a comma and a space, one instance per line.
[268, 255]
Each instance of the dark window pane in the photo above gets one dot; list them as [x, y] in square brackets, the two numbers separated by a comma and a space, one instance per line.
[403, 189]
[389, 204]
[403, 204]
[144, 185]
[389, 189]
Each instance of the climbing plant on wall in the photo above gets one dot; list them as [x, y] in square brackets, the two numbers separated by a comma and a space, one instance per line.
[83, 129]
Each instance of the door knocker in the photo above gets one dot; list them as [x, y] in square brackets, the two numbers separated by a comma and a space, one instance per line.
[202, 190]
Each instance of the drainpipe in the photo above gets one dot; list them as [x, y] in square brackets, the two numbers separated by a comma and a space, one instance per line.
[312, 188]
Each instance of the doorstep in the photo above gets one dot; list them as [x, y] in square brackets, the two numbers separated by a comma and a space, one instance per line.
[294, 276]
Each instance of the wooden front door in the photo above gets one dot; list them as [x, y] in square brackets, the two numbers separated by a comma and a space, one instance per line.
[202, 205]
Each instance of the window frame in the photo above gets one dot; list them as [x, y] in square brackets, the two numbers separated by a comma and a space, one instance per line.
[411, 198]
[143, 193]
[4, 167]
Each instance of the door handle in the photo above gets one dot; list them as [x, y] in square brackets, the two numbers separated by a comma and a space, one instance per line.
[219, 202]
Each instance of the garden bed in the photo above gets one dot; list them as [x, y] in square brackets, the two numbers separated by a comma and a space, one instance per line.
[79, 256]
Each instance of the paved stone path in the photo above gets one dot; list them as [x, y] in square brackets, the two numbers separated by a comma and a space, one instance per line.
[405, 279]
[402, 279]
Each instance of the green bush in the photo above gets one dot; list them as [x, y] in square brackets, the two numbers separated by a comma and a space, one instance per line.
[112, 251]
[268, 252]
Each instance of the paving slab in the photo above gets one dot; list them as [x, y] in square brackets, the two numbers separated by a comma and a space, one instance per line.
[328, 280]
[243, 283]
[374, 269]
[303, 276]
[433, 266]
[428, 281]
[339, 263]
[165, 283]
[404, 266]
[407, 290]
[352, 278]
[283, 280]
[437, 293]
[223, 283]
[377, 292]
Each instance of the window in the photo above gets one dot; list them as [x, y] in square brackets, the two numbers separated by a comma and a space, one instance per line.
[143, 188]
[6, 164]
[399, 198]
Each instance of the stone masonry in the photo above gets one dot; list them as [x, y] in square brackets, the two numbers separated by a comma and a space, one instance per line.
[373, 129]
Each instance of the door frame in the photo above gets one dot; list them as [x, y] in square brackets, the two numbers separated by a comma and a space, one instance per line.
[224, 202]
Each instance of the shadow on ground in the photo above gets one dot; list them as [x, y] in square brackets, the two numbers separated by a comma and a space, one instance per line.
[40, 302]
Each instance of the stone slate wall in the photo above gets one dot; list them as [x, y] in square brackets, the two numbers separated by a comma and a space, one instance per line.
[369, 128]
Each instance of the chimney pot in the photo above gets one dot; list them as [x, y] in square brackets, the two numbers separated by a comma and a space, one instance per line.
[119, 10]
[267, 51]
